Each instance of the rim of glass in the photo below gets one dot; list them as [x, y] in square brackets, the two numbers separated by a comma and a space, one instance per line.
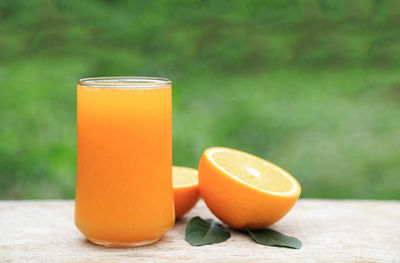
[124, 82]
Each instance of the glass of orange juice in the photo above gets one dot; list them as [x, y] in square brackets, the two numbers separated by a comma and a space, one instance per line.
[124, 194]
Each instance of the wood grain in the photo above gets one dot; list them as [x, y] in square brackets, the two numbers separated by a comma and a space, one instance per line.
[331, 231]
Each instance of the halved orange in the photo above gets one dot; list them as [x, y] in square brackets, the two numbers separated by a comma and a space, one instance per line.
[245, 191]
[186, 189]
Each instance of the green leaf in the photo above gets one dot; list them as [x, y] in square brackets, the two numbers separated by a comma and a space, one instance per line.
[269, 237]
[201, 232]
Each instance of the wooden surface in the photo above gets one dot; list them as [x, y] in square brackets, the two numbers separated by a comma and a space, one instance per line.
[331, 231]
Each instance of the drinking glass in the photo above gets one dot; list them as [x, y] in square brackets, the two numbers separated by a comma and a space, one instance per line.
[124, 194]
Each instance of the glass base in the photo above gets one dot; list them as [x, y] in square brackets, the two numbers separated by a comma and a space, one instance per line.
[112, 244]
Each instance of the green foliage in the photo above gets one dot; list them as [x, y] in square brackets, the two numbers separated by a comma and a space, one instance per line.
[311, 85]
[269, 237]
[200, 232]
[229, 36]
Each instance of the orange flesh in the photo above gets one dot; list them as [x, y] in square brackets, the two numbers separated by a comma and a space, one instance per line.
[183, 176]
[124, 169]
[254, 171]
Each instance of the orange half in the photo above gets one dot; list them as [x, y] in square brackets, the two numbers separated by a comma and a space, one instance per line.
[245, 191]
[186, 189]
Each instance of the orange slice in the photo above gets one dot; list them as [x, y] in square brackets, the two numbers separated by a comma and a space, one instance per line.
[245, 191]
[186, 190]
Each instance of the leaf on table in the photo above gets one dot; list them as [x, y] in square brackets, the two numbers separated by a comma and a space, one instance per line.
[269, 237]
[201, 232]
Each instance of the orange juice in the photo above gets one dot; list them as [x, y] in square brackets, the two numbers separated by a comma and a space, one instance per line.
[124, 194]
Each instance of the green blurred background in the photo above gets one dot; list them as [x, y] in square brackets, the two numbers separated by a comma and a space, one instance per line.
[313, 86]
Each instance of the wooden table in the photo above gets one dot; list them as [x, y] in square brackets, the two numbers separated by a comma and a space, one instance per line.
[331, 231]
